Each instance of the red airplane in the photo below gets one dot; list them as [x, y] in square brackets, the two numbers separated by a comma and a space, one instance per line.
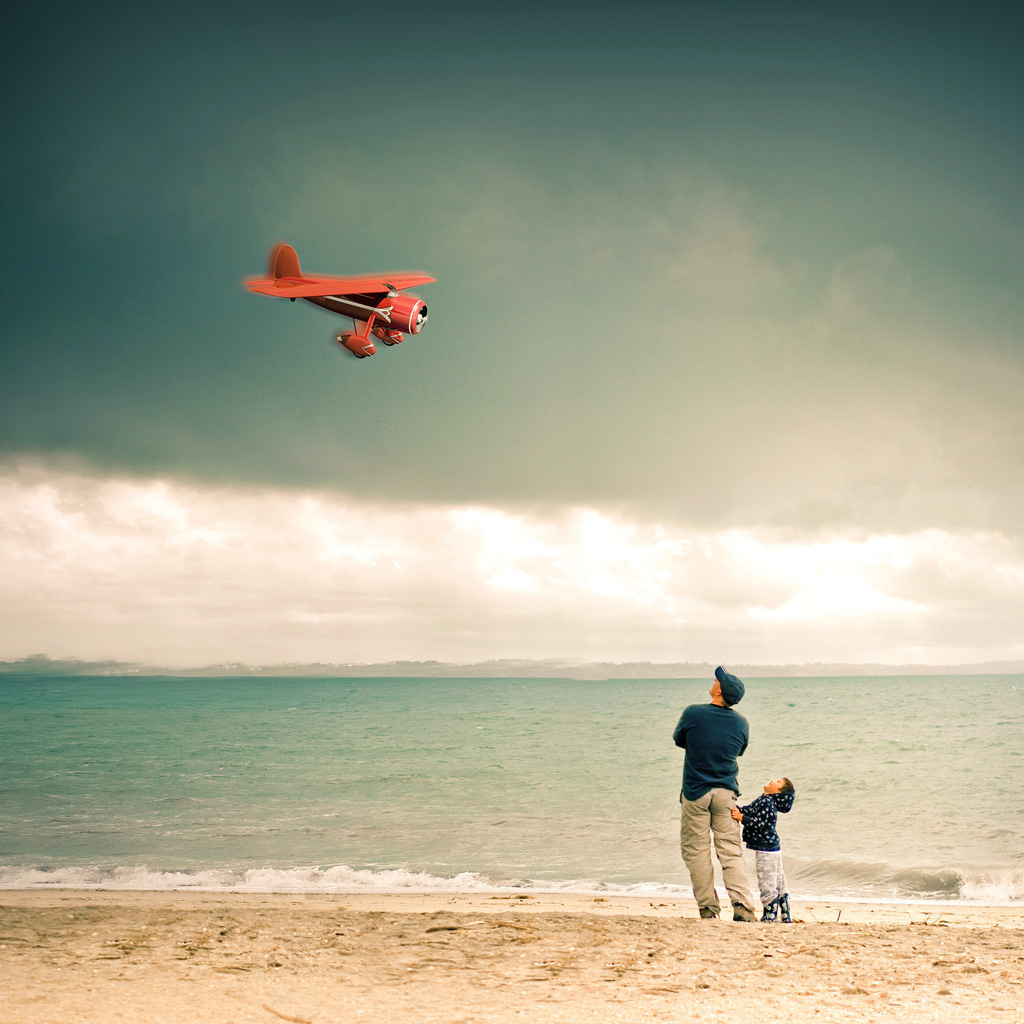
[372, 303]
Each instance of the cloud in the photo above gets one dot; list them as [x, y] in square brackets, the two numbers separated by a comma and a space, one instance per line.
[177, 573]
[850, 286]
[723, 252]
[612, 326]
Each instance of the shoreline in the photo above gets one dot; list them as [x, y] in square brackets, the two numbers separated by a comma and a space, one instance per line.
[533, 901]
[177, 957]
[544, 897]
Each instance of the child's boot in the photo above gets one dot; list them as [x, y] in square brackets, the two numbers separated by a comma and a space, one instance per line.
[787, 917]
[771, 911]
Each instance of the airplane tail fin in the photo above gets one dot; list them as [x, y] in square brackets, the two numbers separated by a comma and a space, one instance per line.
[284, 262]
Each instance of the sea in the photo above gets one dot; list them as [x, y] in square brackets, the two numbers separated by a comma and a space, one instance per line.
[908, 788]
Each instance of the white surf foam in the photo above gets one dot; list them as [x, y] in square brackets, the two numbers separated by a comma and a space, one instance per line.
[339, 878]
[993, 886]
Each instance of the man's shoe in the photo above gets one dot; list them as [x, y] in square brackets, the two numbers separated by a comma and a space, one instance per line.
[708, 914]
[741, 913]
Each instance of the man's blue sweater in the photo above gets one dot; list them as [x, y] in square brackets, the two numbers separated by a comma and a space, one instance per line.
[713, 737]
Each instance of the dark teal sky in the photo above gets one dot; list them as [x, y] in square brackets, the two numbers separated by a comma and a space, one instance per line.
[751, 264]
[725, 355]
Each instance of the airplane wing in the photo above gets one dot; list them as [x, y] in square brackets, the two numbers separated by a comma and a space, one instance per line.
[314, 287]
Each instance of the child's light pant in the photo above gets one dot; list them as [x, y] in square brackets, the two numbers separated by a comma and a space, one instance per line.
[771, 880]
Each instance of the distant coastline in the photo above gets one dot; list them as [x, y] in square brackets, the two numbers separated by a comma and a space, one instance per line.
[515, 668]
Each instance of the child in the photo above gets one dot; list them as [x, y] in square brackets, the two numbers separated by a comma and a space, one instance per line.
[760, 836]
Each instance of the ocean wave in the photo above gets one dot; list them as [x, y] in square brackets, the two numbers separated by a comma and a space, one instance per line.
[844, 880]
[339, 878]
[1000, 884]
[994, 886]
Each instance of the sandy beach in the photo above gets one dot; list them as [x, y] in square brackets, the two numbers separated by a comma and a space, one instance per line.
[236, 958]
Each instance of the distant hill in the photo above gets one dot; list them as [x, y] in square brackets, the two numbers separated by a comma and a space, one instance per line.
[552, 668]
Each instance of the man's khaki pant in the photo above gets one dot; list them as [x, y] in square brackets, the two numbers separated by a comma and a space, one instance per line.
[711, 815]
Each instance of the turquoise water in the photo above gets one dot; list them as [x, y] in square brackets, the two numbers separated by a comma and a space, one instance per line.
[907, 787]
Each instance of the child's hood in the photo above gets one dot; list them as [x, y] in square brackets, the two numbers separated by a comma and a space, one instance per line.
[783, 801]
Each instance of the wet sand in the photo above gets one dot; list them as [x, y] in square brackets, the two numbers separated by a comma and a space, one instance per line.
[236, 958]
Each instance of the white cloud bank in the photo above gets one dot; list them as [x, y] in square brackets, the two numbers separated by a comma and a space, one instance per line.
[166, 572]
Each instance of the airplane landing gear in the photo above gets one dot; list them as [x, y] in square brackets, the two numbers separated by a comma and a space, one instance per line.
[358, 344]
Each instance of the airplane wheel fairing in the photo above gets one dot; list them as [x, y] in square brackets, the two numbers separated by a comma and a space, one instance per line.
[389, 337]
[358, 344]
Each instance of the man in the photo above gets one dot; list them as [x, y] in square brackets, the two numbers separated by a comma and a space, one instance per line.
[713, 736]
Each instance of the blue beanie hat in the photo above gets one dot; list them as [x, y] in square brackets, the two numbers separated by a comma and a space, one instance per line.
[731, 686]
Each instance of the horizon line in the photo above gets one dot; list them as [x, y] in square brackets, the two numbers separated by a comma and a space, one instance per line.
[549, 668]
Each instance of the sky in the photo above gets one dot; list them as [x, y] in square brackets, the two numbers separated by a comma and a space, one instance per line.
[724, 359]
